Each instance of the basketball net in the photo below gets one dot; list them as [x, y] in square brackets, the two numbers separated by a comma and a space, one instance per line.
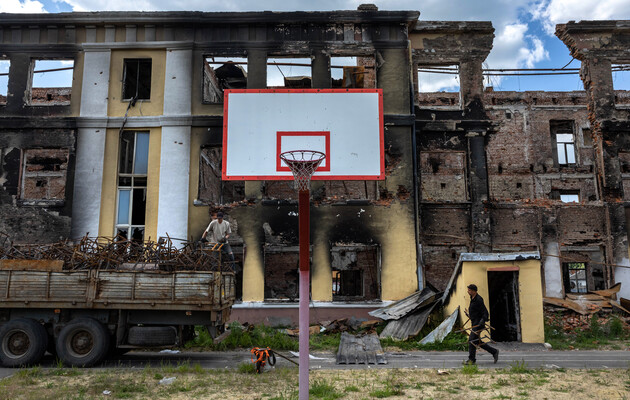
[303, 164]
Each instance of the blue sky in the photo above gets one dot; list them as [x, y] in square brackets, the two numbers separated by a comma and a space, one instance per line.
[523, 28]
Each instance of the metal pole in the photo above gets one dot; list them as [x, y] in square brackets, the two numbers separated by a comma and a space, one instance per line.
[304, 227]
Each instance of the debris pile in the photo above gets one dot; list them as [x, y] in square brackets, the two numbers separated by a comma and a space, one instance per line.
[591, 302]
[115, 253]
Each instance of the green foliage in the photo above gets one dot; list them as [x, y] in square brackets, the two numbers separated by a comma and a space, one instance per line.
[320, 389]
[519, 367]
[615, 327]
[351, 388]
[388, 391]
[247, 368]
[326, 341]
[239, 338]
[470, 369]
[592, 337]
[454, 341]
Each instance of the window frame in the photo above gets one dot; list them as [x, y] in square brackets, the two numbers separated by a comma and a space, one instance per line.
[126, 62]
[564, 127]
[566, 266]
[133, 177]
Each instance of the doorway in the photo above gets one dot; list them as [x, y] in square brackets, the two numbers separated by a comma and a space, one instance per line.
[504, 306]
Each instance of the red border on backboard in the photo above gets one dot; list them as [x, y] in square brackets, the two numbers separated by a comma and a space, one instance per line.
[281, 134]
[381, 176]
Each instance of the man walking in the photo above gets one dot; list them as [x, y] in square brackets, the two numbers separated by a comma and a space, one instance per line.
[478, 314]
[220, 231]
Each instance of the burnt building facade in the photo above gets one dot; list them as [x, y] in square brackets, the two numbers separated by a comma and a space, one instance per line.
[133, 147]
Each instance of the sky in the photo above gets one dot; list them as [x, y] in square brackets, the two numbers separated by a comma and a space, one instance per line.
[524, 29]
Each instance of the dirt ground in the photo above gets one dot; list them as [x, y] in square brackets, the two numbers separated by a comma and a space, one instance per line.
[281, 383]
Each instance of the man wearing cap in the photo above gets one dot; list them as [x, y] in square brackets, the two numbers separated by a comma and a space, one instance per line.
[478, 314]
[219, 230]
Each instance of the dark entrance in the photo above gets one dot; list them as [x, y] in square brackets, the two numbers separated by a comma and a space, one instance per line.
[503, 306]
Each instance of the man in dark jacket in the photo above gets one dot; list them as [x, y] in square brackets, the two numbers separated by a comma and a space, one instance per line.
[478, 314]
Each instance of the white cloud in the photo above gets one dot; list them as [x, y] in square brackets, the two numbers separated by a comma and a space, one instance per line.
[552, 12]
[17, 6]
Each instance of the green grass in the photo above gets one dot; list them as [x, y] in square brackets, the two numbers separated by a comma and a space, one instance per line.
[321, 389]
[326, 341]
[247, 368]
[239, 338]
[454, 341]
[519, 367]
[592, 337]
[471, 369]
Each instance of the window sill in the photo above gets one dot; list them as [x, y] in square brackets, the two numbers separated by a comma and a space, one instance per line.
[40, 203]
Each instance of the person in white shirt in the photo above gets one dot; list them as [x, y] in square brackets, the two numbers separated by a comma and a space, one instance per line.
[220, 230]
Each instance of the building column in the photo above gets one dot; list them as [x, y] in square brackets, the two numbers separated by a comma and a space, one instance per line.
[552, 266]
[479, 192]
[320, 70]
[88, 175]
[173, 196]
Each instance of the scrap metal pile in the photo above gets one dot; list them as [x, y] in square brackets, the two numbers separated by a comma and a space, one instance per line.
[119, 253]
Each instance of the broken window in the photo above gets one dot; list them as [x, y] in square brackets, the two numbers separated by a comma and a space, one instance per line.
[220, 73]
[569, 196]
[132, 184]
[443, 176]
[212, 189]
[575, 277]
[290, 73]
[442, 82]
[137, 79]
[564, 141]
[4, 80]
[621, 76]
[353, 72]
[51, 82]
[44, 175]
[281, 272]
[355, 273]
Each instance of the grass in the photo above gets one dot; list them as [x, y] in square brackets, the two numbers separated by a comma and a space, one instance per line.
[454, 341]
[282, 383]
[471, 369]
[240, 338]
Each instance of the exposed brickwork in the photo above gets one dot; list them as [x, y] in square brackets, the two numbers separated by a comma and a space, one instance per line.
[445, 225]
[517, 227]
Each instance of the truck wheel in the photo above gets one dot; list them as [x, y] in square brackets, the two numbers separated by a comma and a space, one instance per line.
[24, 342]
[83, 342]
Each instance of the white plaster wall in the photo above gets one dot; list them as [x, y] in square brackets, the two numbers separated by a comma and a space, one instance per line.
[175, 147]
[174, 171]
[553, 271]
[623, 275]
[88, 177]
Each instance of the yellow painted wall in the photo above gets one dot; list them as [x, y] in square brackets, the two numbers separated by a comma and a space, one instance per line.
[155, 106]
[109, 189]
[530, 294]
[198, 216]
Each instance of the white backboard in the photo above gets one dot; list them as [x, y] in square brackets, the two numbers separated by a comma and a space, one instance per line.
[344, 124]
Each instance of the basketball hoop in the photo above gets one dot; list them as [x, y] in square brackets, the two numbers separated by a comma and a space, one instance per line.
[303, 164]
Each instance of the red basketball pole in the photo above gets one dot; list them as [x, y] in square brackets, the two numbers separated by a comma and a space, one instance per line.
[304, 224]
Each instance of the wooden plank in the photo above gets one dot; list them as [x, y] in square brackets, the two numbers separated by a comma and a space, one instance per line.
[625, 303]
[588, 296]
[610, 291]
[618, 306]
[32, 265]
[565, 303]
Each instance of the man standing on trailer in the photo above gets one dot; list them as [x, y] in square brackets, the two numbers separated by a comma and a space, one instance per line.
[220, 230]
[478, 314]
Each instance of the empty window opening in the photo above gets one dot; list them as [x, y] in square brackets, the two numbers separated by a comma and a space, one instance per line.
[220, 73]
[290, 73]
[564, 140]
[281, 273]
[438, 85]
[504, 306]
[137, 79]
[621, 76]
[51, 82]
[4, 80]
[355, 273]
[575, 277]
[569, 196]
[132, 185]
[353, 72]
[44, 175]
[213, 190]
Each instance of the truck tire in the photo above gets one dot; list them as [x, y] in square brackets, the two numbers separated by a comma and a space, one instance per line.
[23, 342]
[152, 335]
[82, 343]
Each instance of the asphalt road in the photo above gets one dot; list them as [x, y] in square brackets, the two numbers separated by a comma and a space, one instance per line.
[411, 359]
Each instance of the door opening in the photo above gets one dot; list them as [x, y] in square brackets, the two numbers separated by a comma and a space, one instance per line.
[503, 306]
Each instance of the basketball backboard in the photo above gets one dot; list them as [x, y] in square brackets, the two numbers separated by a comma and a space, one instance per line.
[344, 124]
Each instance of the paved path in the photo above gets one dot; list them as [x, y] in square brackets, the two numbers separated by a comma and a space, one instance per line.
[411, 359]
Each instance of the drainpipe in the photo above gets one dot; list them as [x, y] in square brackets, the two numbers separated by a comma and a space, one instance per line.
[416, 207]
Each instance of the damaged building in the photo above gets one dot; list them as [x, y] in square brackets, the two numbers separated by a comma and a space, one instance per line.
[132, 147]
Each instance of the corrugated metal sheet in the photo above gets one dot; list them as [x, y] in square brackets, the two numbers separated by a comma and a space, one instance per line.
[360, 350]
[439, 333]
[409, 325]
[405, 306]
